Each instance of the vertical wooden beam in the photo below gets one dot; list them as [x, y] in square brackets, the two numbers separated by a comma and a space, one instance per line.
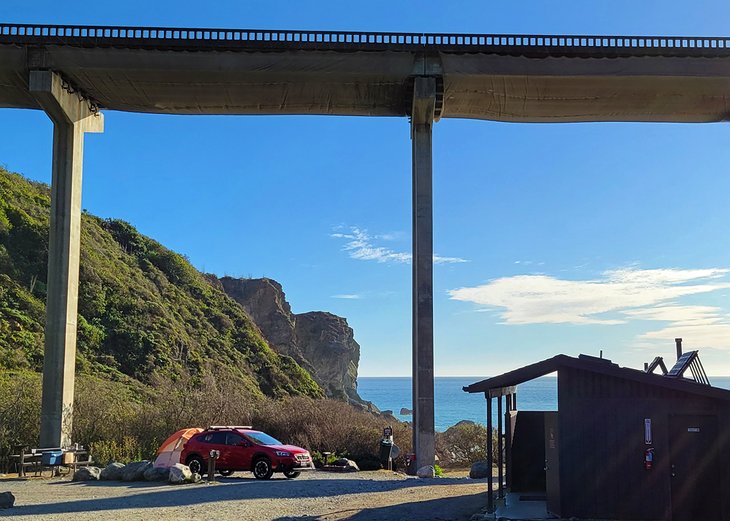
[500, 447]
[490, 459]
[508, 444]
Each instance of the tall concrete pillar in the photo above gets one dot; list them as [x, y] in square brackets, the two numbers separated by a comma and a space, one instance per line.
[422, 118]
[71, 118]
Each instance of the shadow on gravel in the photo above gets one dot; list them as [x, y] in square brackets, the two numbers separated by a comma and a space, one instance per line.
[152, 495]
[459, 508]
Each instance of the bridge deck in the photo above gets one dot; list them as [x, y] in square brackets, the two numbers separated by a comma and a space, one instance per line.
[516, 78]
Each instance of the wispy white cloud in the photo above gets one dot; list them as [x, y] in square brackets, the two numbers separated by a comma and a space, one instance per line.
[614, 298]
[361, 245]
[348, 296]
[529, 263]
[438, 259]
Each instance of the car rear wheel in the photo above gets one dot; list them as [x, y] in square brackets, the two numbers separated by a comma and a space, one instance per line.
[196, 465]
[262, 468]
[291, 474]
[226, 473]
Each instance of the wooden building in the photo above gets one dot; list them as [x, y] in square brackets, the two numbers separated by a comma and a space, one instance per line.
[624, 444]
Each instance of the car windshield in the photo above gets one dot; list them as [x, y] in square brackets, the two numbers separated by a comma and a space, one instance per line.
[262, 438]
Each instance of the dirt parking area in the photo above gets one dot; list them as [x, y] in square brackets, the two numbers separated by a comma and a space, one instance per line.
[315, 496]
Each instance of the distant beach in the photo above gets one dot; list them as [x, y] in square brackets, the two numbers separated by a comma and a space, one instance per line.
[454, 405]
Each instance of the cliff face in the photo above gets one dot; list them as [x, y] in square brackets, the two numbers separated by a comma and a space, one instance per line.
[320, 342]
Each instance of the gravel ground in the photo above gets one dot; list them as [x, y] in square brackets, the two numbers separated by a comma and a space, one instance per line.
[314, 496]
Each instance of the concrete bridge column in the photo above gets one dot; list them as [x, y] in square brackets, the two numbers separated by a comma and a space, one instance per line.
[422, 119]
[71, 118]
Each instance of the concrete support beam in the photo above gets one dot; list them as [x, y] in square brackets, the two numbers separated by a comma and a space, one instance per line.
[422, 118]
[71, 118]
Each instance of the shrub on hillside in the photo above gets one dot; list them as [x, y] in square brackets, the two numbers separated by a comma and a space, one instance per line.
[464, 444]
[20, 412]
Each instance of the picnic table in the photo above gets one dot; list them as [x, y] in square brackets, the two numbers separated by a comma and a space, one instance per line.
[50, 458]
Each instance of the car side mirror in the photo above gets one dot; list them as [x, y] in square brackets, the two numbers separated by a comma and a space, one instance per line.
[244, 444]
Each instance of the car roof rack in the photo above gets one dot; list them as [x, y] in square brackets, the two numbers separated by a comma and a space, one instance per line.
[219, 427]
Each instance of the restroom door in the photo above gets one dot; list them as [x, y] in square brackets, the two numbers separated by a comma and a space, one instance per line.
[552, 463]
[694, 468]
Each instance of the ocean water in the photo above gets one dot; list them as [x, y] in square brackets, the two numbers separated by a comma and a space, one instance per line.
[452, 404]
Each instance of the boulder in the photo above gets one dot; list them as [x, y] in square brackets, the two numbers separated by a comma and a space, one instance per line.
[135, 470]
[426, 472]
[346, 465]
[87, 474]
[7, 500]
[180, 473]
[405, 412]
[112, 472]
[157, 474]
[480, 470]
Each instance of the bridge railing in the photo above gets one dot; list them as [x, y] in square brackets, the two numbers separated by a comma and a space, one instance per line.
[241, 38]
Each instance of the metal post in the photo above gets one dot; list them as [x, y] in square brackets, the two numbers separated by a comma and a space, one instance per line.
[490, 459]
[500, 447]
[71, 118]
[508, 443]
[422, 117]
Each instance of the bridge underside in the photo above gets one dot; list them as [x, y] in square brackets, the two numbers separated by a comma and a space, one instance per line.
[671, 80]
[379, 83]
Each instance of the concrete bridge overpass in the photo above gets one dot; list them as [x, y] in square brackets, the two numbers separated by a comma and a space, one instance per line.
[75, 72]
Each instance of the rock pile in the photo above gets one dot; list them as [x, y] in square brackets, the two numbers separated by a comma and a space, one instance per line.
[342, 465]
[136, 471]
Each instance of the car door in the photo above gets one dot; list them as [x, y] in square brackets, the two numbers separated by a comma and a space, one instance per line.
[216, 440]
[239, 450]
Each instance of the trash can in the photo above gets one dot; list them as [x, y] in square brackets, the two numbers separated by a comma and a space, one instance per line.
[386, 449]
[411, 467]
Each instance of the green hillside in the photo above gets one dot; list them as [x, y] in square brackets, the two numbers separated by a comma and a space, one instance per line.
[143, 309]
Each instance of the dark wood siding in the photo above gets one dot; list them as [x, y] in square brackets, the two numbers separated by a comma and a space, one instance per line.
[602, 445]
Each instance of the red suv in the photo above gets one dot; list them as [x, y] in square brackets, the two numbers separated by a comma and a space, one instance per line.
[242, 448]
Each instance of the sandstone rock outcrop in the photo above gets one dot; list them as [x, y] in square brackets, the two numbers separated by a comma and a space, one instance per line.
[320, 342]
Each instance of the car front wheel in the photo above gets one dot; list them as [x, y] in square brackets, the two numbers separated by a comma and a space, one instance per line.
[291, 474]
[262, 468]
[196, 465]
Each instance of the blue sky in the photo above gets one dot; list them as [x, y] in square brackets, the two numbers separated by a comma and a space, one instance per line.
[554, 238]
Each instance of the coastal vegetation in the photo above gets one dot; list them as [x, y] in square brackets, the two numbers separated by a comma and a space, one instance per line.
[161, 346]
[119, 422]
[143, 310]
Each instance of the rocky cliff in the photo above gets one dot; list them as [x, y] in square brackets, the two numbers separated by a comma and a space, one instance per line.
[320, 342]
